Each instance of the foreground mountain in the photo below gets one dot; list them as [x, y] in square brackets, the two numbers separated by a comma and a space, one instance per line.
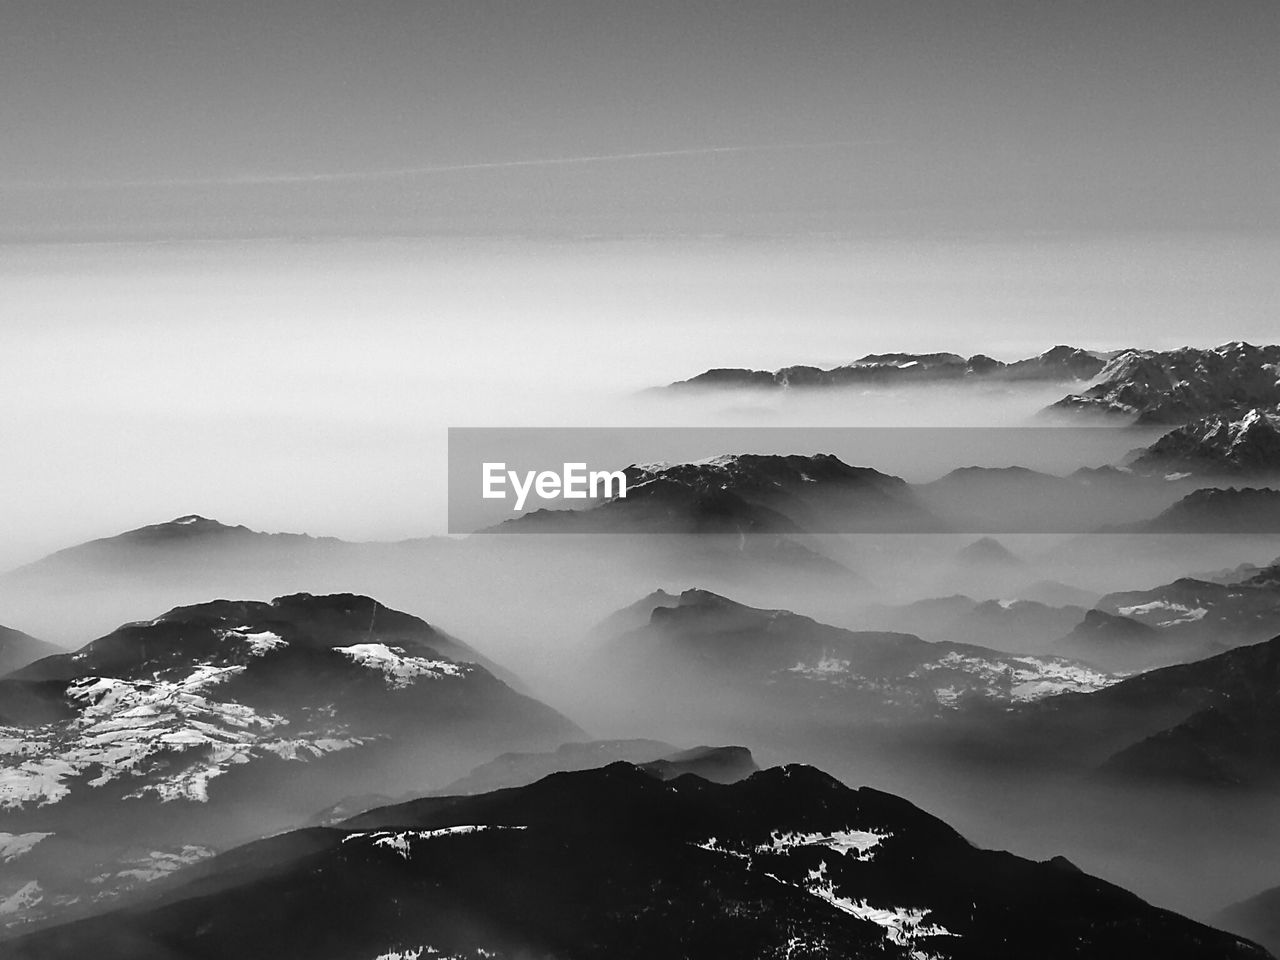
[1061, 364]
[745, 494]
[718, 764]
[1257, 918]
[17, 649]
[1178, 386]
[615, 863]
[708, 652]
[213, 723]
[1247, 445]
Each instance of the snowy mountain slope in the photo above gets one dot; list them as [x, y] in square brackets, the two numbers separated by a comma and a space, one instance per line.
[1224, 445]
[214, 722]
[1177, 386]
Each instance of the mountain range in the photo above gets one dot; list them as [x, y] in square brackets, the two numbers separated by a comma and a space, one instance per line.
[1142, 386]
[704, 649]
[770, 495]
[618, 863]
[1060, 364]
[1178, 386]
[1212, 721]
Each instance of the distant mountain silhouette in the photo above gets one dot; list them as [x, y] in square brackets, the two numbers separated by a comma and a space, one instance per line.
[17, 649]
[1060, 364]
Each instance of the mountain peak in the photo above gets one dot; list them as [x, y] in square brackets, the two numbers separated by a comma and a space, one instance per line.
[988, 551]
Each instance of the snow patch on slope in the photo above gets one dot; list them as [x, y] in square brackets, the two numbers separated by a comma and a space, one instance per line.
[401, 842]
[26, 897]
[14, 845]
[1184, 613]
[172, 735]
[399, 669]
[902, 925]
[259, 642]
[861, 843]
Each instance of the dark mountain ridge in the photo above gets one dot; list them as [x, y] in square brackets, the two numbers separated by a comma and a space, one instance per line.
[617, 863]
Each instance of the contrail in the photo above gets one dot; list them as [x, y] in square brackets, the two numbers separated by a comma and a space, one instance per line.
[402, 172]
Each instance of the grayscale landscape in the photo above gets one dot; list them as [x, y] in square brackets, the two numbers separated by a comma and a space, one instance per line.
[935, 613]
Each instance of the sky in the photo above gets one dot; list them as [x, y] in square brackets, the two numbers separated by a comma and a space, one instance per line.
[256, 257]
[161, 119]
